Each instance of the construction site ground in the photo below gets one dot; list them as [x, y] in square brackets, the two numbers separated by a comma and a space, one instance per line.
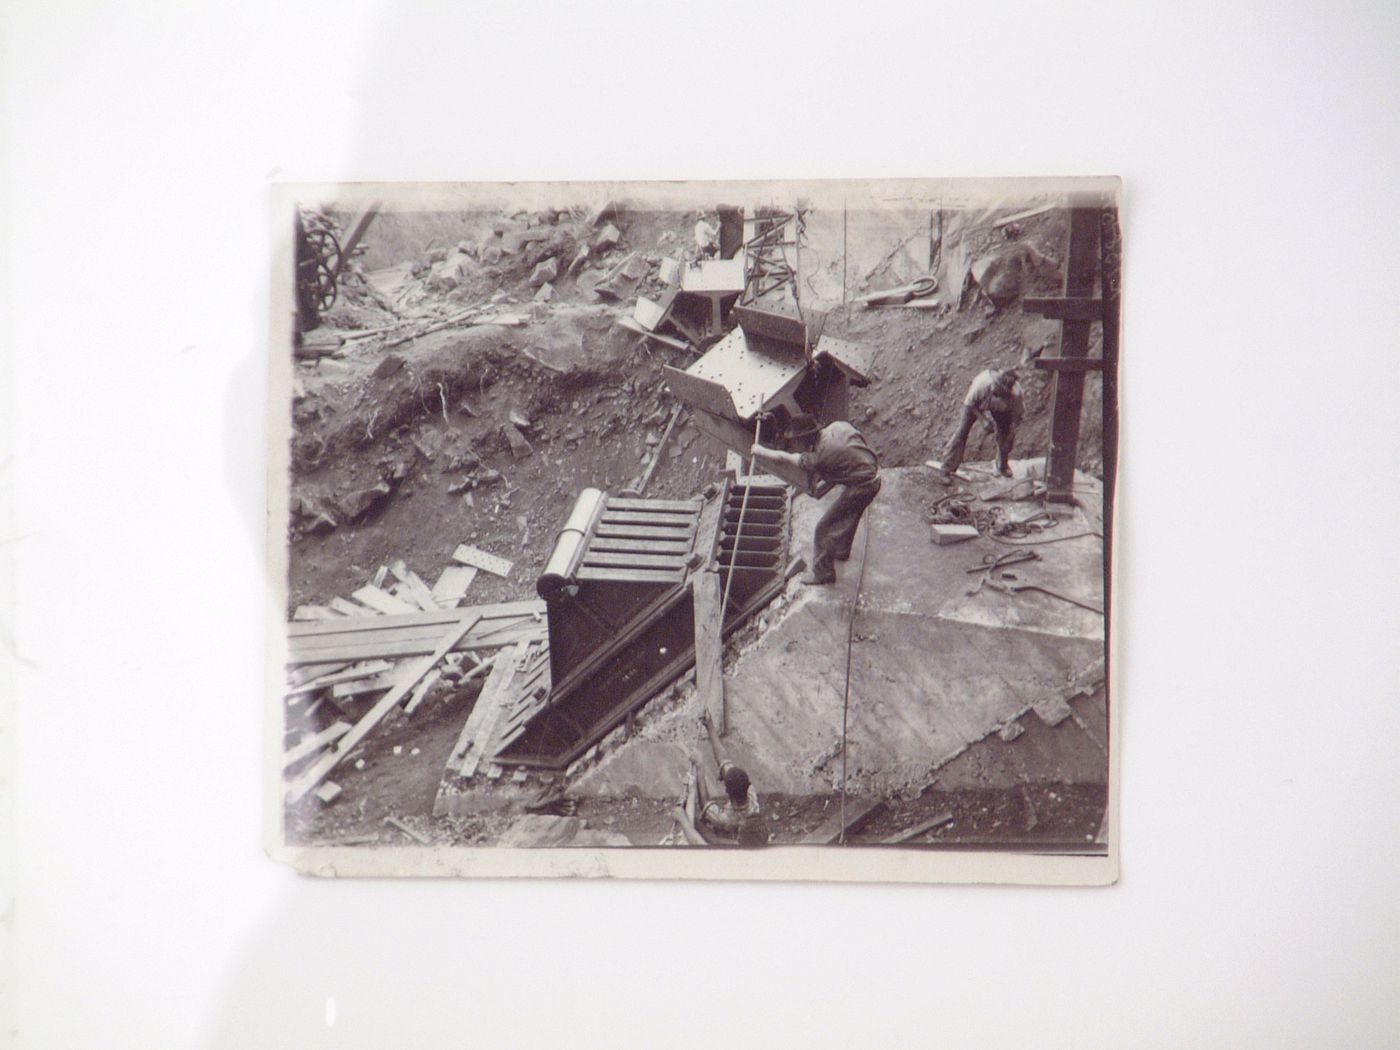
[405, 452]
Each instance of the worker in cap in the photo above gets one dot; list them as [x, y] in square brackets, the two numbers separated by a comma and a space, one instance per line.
[994, 396]
[841, 457]
[733, 818]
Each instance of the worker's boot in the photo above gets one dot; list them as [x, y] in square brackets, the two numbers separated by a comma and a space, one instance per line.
[1004, 468]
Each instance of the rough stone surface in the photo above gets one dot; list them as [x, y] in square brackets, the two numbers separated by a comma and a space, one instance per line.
[544, 272]
[609, 237]
[357, 504]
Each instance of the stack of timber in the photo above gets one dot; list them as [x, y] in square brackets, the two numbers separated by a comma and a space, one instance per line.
[388, 647]
[518, 683]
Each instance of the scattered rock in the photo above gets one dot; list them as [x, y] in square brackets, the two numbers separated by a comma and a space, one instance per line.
[545, 294]
[1011, 731]
[519, 446]
[357, 504]
[609, 237]
[520, 419]
[388, 366]
[544, 272]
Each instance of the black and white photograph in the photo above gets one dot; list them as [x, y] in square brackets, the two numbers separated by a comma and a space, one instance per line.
[614, 524]
[697, 529]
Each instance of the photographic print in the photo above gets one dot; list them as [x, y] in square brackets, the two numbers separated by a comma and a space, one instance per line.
[695, 530]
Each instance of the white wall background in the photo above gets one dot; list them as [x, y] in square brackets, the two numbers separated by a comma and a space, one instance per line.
[1259, 903]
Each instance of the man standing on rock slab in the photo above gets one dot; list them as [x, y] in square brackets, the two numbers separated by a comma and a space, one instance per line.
[996, 394]
[841, 457]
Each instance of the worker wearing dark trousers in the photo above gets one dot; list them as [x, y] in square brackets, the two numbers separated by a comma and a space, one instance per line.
[995, 394]
[841, 457]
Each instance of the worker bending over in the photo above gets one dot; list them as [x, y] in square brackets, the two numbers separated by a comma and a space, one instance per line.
[841, 457]
[734, 817]
[993, 395]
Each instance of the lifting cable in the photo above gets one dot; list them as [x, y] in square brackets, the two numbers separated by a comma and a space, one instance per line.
[733, 559]
[846, 695]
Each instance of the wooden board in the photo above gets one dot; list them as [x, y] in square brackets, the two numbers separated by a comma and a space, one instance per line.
[312, 744]
[376, 598]
[631, 575]
[709, 645]
[618, 503]
[315, 612]
[452, 583]
[353, 609]
[387, 680]
[1064, 308]
[917, 830]
[308, 645]
[418, 591]
[622, 543]
[495, 611]
[859, 812]
[467, 736]
[503, 673]
[333, 678]
[469, 555]
[416, 647]
[639, 517]
[634, 560]
[421, 690]
[313, 776]
[647, 532]
[299, 676]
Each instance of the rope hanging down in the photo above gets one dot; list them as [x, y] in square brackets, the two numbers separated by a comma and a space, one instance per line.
[729, 579]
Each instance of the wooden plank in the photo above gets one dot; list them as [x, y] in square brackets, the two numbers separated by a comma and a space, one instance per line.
[417, 589]
[706, 597]
[1070, 364]
[377, 598]
[640, 561]
[452, 583]
[859, 812]
[637, 517]
[646, 531]
[1029, 213]
[335, 677]
[387, 680]
[314, 743]
[630, 575]
[503, 673]
[400, 634]
[299, 676]
[1081, 268]
[469, 555]
[1064, 308]
[470, 730]
[416, 647]
[372, 718]
[917, 830]
[414, 835]
[619, 503]
[354, 609]
[418, 619]
[509, 691]
[421, 690]
[622, 543]
[315, 612]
